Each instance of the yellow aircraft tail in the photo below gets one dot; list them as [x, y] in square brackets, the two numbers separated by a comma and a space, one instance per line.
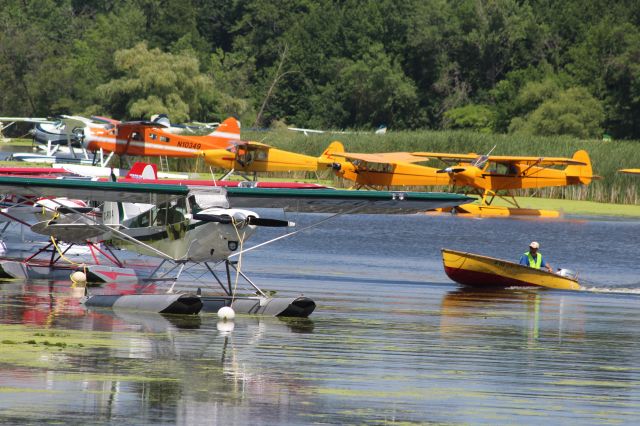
[327, 157]
[583, 173]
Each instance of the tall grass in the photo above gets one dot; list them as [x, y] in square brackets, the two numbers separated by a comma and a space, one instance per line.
[607, 156]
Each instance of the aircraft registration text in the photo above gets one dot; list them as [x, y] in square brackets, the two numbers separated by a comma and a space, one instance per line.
[186, 144]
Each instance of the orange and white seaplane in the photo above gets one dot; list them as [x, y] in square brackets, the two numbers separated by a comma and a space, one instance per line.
[186, 225]
[489, 176]
[154, 139]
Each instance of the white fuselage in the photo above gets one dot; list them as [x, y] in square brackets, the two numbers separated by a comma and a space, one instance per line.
[190, 240]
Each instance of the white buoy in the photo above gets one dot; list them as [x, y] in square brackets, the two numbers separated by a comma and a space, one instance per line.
[225, 326]
[77, 292]
[78, 277]
[226, 313]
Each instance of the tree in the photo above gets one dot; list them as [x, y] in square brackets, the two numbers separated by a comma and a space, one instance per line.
[608, 63]
[34, 47]
[373, 91]
[154, 82]
[472, 116]
[573, 112]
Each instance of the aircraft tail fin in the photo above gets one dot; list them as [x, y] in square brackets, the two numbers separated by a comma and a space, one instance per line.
[327, 156]
[228, 129]
[142, 170]
[584, 173]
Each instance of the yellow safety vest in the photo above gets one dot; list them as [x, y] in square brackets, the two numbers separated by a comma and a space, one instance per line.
[534, 263]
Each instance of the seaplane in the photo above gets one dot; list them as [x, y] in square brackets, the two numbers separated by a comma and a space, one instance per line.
[186, 226]
[105, 137]
[489, 176]
[154, 139]
[252, 157]
[59, 137]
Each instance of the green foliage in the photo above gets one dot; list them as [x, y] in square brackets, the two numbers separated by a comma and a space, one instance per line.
[323, 63]
[157, 82]
[373, 90]
[572, 112]
[473, 117]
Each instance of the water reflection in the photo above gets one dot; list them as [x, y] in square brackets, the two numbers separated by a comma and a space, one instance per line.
[392, 340]
[118, 364]
[469, 311]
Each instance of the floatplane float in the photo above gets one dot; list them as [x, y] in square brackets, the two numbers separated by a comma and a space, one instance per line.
[189, 225]
[474, 270]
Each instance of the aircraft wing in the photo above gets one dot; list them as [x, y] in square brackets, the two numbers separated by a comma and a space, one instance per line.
[92, 190]
[342, 201]
[139, 124]
[28, 120]
[503, 159]
[250, 144]
[630, 171]
[447, 156]
[106, 120]
[384, 158]
[537, 161]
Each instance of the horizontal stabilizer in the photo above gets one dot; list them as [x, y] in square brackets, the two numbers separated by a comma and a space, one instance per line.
[68, 232]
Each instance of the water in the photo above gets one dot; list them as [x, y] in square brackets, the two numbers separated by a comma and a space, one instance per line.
[392, 339]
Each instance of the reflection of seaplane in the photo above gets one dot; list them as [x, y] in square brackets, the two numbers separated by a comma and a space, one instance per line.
[181, 225]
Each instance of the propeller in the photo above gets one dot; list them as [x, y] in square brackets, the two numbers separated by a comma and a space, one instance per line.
[249, 220]
[272, 223]
[451, 170]
[218, 218]
[69, 210]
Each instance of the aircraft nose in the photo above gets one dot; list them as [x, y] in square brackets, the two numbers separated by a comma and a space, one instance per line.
[218, 157]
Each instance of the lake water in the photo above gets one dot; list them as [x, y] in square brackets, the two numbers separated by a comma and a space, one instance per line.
[392, 339]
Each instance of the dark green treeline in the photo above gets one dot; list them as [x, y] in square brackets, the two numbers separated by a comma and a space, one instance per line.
[498, 66]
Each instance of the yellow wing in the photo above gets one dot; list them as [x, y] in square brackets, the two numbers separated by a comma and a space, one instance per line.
[630, 171]
[250, 145]
[538, 161]
[447, 157]
[383, 158]
[503, 159]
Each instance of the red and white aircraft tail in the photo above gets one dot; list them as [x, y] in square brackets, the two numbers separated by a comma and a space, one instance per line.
[142, 170]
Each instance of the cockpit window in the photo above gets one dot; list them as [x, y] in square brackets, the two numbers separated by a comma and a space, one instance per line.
[163, 214]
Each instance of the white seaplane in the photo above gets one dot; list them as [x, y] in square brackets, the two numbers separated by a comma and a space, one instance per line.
[187, 224]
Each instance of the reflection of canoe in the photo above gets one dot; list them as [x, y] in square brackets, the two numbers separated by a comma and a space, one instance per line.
[483, 271]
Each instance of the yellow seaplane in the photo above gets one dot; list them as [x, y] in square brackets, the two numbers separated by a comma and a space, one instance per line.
[254, 157]
[474, 270]
[489, 176]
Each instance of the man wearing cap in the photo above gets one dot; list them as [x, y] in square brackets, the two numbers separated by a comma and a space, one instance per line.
[533, 259]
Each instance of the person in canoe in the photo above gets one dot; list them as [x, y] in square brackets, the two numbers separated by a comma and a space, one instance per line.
[534, 259]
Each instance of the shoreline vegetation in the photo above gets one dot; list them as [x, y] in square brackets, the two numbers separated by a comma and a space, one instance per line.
[613, 194]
